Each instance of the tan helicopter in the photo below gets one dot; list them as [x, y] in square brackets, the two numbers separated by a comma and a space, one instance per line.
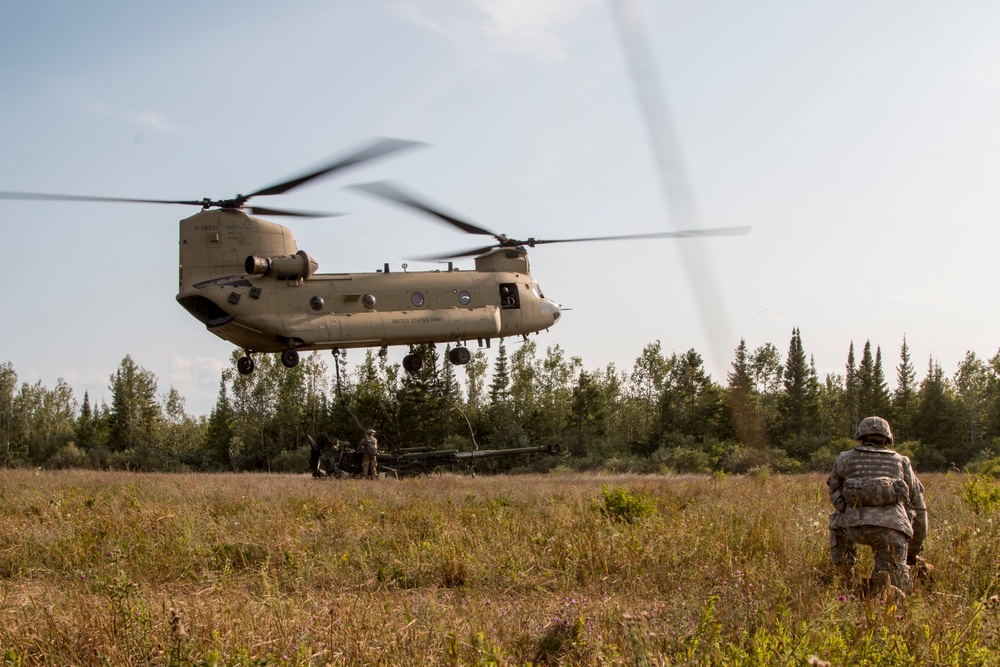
[249, 283]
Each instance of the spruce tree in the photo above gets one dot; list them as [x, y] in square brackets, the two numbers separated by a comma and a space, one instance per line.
[852, 407]
[904, 397]
[795, 401]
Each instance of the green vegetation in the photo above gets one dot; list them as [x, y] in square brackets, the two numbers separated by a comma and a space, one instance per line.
[223, 569]
[664, 414]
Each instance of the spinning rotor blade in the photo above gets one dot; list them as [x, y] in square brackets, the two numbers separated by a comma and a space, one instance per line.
[48, 197]
[681, 234]
[390, 192]
[260, 210]
[379, 148]
[471, 252]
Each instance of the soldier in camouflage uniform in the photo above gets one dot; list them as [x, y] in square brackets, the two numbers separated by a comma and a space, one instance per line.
[323, 455]
[369, 463]
[878, 501]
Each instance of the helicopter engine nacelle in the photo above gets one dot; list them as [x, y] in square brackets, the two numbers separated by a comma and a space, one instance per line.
[287, 267]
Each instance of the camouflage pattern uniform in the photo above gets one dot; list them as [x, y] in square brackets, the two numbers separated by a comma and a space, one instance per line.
[369, 463]
[323, 457]
[878, 501]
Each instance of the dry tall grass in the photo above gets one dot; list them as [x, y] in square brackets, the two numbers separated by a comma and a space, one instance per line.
[119, 568]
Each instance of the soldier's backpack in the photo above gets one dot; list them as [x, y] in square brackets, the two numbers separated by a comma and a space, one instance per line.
[874, 491]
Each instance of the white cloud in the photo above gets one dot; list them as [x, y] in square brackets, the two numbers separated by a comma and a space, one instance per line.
[148, 119]
[527, 27]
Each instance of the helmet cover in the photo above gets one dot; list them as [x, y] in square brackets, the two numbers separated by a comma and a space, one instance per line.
[873, 426]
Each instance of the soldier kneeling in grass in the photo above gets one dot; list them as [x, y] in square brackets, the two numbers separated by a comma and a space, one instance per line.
[877, 501]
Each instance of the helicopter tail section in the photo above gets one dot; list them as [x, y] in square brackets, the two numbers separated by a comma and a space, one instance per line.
[215, 246]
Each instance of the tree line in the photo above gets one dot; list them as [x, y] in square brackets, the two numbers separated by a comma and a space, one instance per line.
[664, 413]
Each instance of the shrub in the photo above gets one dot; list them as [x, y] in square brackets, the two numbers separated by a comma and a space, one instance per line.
[982, 494]
[683, 459]
[67, 456]
[292, 460]
[621, 505]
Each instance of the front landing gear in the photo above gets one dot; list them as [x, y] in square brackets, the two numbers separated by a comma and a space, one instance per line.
[245, 364]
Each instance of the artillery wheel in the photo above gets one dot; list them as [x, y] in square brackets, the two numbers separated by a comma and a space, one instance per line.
[289, 358]
[245, 365]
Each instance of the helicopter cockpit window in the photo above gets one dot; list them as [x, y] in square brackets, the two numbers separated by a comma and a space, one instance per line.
[417, 299]
[508, 296]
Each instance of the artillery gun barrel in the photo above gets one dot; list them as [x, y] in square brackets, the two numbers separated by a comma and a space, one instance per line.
[490, 453]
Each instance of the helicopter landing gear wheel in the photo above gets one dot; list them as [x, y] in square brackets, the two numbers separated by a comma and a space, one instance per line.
[245, 365]
[459, 356]
[289, 358]
[412, 363]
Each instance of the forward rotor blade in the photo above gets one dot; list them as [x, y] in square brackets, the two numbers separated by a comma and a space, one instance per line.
[379, 148]
[680, 234]
[51, 197]
[261, 210]
[389, 192]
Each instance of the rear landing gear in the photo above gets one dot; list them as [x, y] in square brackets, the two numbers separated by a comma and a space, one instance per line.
[459, 356]
[245, 365]
[289, 358]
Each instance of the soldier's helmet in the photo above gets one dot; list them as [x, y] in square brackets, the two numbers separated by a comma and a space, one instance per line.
[370, 431]
[873, 426]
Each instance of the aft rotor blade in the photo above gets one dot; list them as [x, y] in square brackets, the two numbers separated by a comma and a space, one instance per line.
[471, 252]
[379, 148]
[680, 234]
[261, 210]
[393, 193]
[51, 197]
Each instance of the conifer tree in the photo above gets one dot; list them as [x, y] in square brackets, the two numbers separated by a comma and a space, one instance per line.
[881, 402]
[904, 397]
[851, 394]
[796, 400]
[500, 384]
[743, 399]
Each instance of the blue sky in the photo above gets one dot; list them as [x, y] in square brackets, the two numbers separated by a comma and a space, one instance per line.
[858, 139]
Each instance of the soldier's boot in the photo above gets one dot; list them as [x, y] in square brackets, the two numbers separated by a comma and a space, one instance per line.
[881, 588]
[921, 571]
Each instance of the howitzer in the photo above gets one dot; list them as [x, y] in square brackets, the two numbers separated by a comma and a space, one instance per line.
[411, 461]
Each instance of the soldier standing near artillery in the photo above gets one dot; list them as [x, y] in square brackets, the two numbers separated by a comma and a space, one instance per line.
[369, 446]
[877, 501]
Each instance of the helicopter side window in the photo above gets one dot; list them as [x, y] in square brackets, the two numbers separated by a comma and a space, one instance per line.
[508, 296]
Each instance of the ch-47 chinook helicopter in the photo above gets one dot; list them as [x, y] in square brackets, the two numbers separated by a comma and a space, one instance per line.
[248, 282]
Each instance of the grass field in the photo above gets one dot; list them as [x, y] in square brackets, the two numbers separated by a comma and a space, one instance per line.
[118, 568]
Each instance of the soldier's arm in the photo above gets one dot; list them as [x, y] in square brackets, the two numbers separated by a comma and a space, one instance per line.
[918, 508]
[836, 484]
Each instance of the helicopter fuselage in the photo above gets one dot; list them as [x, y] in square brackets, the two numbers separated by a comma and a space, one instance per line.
[247, 281]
